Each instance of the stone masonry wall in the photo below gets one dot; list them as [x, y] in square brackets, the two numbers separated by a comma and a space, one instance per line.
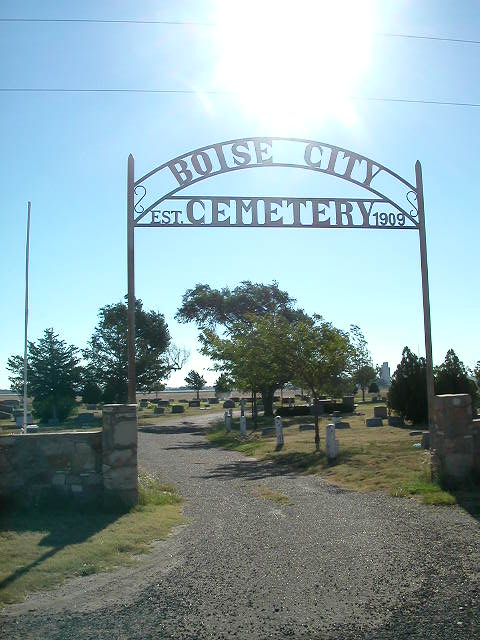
[65, 463]
[87, 465]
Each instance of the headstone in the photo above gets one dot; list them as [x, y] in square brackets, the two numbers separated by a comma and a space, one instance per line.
[243, 427]
[14, 404]
[374, 422]
[85, 419]
[348, 404]
[158, 411]
[178, 408]
[91, 407]
[31, 428]
[380, 412]
[163, 403]
[279, 430]
[286, 400]
[268, 431]
[228, 422]
[396, 421]
[415, 432]
[212, 400]
[342, 425]
[336, 417]
[306, 427]
[143, 403]
[331, 443]
[5, 415]
[228, 404]
[19, 419]
[194, 403]
[374, 398]
[235, 398]
[242, 408]
[426, 440]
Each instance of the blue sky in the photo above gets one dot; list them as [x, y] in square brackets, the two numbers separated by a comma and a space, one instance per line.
[68, 152]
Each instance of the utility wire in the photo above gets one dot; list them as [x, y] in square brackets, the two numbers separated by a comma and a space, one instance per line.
[213, 24]
[446, 103]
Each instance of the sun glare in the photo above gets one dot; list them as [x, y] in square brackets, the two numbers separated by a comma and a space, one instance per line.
[294, 61]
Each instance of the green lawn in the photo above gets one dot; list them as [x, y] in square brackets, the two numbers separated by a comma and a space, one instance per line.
[370, 459]
[39, 548]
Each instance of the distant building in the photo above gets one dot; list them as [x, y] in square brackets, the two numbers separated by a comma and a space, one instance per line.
[384, 377]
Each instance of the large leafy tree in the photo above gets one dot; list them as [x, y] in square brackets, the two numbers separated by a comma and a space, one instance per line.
[106, 353]
[255, 355]
[209, 307]
[195, 381]
[408, 392]
[363, 372]
[452, 376]
[53, 375]
[238, 311]
[321, 359]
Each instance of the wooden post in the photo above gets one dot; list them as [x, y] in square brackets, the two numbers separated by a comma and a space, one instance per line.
[132, 395]
[425, 291]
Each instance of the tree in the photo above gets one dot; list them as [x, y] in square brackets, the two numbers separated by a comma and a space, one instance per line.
[476, 373]
[408, 392]
[255, 354]
[373, 388]
[223, 384]
[209, 307]
[241, 310]
[321, 359]
[363, 371]
[195, 381]
[453, 377]
[91, 392]
[53, 376]
[106, 353]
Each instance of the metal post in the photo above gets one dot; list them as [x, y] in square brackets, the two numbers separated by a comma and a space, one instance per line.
[425, 291]
[25, 352]
[132, 396]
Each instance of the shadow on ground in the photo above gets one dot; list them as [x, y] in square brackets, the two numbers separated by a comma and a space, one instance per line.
[62, 524]
[173, 429]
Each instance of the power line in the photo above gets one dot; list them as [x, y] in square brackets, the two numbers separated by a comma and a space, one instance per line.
[194, 23]
[446, 103]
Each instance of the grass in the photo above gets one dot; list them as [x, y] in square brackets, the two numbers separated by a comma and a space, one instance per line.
[370, 459]
[266, 493]
[39, 548]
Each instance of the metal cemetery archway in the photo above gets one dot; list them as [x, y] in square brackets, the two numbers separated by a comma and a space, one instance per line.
[152, 202]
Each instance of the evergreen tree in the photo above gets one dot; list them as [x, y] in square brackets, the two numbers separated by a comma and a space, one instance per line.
[195, 381]
[408, 392]
[53, 376]
[453, 377]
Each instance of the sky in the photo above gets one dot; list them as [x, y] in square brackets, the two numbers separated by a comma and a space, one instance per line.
[293, 71]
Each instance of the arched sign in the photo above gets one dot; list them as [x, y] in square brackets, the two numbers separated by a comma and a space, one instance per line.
[156, 200]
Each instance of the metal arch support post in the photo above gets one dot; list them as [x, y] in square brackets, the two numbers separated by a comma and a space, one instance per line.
[132, 395]
[425, 291]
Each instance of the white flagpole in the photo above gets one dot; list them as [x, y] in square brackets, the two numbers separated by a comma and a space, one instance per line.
[27, 251]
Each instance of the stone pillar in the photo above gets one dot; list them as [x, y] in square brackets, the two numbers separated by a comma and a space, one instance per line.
[228, 422]
[451, 437]
[119, 454]
[279, 430]
[243, 427]
[331, 443]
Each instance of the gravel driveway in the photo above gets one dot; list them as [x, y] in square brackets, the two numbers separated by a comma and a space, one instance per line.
[332, 564]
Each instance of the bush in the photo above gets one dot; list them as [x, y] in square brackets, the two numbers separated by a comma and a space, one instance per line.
[91, 393]
[373, 388]
[45, 408]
